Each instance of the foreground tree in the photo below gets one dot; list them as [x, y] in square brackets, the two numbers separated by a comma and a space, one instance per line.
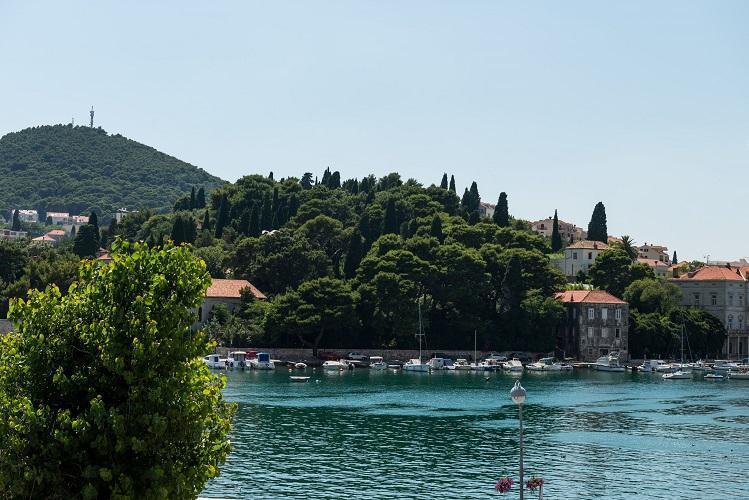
[597, 228]
[117, 403]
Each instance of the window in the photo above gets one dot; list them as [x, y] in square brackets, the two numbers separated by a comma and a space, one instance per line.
[591, 313]
[617, 332]
[604, 314]
[730, 321]
[604, 352]
[590, 255]
[730, 299]
[696, 299]
[618, 313]
[713, 299]
[590, 332]
[604, 333]
[574, 255]
[582, 342]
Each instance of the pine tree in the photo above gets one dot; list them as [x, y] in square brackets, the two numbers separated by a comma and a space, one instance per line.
[222, 217]
[293, 206]
[254, 228]
[353, 255]
[443, 184]
[306, 180]
[16, 225]
[200, 198]
[501, 215]
[390, 222]
[266, 213]
[556, 238]
[452, 184]
[193, 199]
[436, 229]
[86, 242]
[206, 221]
[597, 230]
[674, 260]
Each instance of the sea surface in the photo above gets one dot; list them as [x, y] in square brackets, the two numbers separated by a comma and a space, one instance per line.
[369, 434]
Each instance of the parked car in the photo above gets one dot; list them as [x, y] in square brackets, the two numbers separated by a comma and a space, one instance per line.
[357, 356]
[497, 357]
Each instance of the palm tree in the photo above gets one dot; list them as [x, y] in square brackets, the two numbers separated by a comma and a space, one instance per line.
[628, 245]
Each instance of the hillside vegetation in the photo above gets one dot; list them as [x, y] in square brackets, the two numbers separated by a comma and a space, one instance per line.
[80, 169]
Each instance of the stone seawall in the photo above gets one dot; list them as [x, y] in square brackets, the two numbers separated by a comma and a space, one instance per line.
[288, 354]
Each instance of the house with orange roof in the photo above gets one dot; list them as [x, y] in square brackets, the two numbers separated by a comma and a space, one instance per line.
[43, 240]
[721, 291]
[660, 268]
[597, 324]
[579, 256]
[227, 292]
[654, 252]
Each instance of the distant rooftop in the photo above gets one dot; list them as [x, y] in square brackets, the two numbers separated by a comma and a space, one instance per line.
[588, 297]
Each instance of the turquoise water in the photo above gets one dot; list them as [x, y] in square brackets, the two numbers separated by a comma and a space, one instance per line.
[452, 434]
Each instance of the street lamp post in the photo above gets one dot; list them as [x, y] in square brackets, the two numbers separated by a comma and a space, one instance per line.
[517, 394]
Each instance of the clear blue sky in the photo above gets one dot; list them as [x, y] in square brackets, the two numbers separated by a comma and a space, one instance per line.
[643, 105]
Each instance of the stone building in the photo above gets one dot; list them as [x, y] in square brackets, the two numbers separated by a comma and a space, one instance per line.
[227, 292]
[569, 232]
[721, 291]
[579, 256]
[597, 324]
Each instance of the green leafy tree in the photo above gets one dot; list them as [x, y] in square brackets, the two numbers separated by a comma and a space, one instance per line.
[444, 184]
[613, 271]
[200, 198]
[118, 402]
[652, 296]
[597, 229]
[390, 223]
[86, 242]
[556, 238]
[435, 230]
[501, 212]
[306, 180]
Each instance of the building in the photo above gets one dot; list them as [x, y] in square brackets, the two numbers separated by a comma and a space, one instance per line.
[75, 221]
[227, 292]
[487, 209]
[56, 234]
[654, 252]
[660, 268]
[597, 324]
[569, 232]
[579, 256]
[43, 240]
[58, 218]
[29, 216]
[722, 292]
[8, 234]
[119, 214]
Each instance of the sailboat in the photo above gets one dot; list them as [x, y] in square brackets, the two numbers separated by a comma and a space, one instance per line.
[416, 365]
[680, 373]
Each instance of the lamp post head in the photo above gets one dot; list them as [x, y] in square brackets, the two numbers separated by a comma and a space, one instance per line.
[518, 393]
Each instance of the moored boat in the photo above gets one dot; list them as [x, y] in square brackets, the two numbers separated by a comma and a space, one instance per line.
[513, 365]
[237, 359]
[739, 375]
[298, 378]
[714, 376]
[462, 364]
[377, 363]
[334, 366]
[215, 361]
[608, 363]
[678, 375]
[262, 362]
[300, 365]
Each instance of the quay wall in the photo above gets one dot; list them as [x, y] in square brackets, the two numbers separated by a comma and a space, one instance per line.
[291, 354]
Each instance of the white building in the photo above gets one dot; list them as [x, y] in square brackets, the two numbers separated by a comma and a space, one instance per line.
[227, 292]
[58, 218]
[487, 209]
[579, 256]
[569, 232]
[8, 234]
[30, 216]
[119, 214]
[654, 252]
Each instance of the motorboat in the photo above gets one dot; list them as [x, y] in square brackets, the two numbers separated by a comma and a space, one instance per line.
[262, 362]
[714, 376]
[739, 375]
[377, 363]
[723, 365]
[677, 375]
[440, 364]
[513, 365]
[300, 365]
[547, 365]
[608, 363]
[215, 361]
[298, 378]
[334, 366]
[415, 365]
[653, 365]
[462, 365]
[701, 366]
[237, 359]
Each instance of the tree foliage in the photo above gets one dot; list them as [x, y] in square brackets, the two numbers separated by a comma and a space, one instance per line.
[597, 228]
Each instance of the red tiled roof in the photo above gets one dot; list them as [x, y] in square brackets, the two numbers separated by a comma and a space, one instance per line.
[231, 289]
[652, 262]
[713, 273]
[43, 238]
[589, 245]
[56, 232]
[588, 297]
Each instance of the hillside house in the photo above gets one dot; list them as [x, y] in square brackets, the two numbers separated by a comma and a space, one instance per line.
[579, 256]
[227, 292]
[569, 232]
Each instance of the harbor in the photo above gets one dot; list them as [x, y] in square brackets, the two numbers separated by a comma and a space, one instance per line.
[391, 433]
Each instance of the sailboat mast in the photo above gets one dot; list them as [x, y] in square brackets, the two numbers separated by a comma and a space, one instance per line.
[421, 333]
[682, 344]
[475, 362]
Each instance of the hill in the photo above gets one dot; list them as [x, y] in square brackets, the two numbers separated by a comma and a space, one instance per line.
[78, 169]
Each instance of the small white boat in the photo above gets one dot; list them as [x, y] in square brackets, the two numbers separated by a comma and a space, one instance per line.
[513, 365]
[332, 366]
[415, 365]
[547, 365]
[740, 375]
[297, 378]
[653, 365]
[215, 361]
[440, 363]
[714, 376]
[723, 365]
[608, 363]
[262, 362]
[395, 366]
[678, 375]
[237, 359]
[462, 365]
[300, 365]
[701, 366]
[377, 363]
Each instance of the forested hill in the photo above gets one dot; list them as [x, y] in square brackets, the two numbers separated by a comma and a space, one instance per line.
[79, 169]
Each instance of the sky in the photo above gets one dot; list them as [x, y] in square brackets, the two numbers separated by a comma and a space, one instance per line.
[642, 105]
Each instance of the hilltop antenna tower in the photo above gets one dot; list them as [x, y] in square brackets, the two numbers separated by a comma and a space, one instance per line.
[92, 116]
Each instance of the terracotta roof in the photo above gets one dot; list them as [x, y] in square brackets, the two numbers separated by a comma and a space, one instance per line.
[652, 262]
[591, 245]
[43, 238]
[105, 257]
[588, 297]
[231, 289]
[56, 232]
[713, 273]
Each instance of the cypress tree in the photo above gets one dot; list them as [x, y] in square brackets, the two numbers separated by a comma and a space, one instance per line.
[465, 201]
[335, 180]
[452, 184]
[475, 199]
[93, 220]
[193, 199]
[597, 230]
[86, 242]
[206, 221]
[293, 205]
[275, 200]
[254, 228]
[266, 213]
[112, 230]
[436, 229]
[244, 222]
[474, 217]
[200, 198]
[443, 184]
[222, 217]
[501, 215]
[16, 225]
[675, 259]
[556, 238]
[270, 175]
[72, 232]
[326, 177]
[390, 222]
[353, 255]
[178, 230]
[189, 229]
